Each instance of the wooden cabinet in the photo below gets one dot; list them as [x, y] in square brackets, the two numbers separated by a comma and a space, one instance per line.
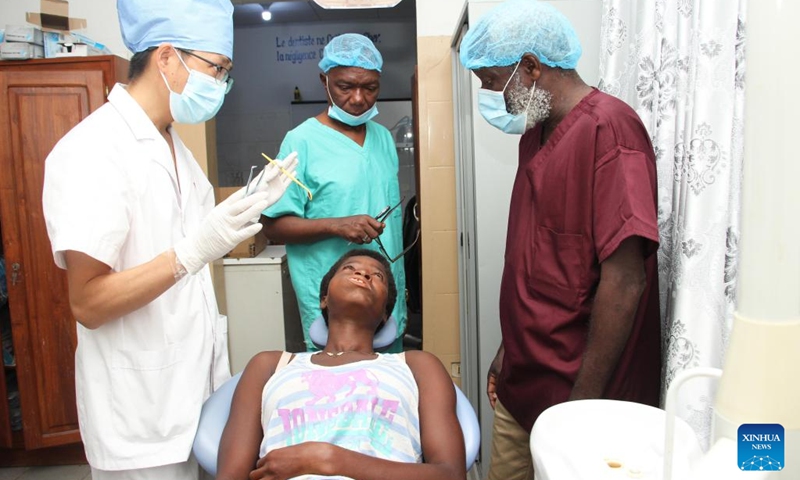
[40, 101]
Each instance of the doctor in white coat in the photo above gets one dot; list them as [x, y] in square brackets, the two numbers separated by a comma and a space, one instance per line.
[131, 218]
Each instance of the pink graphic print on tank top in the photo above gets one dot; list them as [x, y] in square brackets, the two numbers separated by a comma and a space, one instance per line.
[343, 408]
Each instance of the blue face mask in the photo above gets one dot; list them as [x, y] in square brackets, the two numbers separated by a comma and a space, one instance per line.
[492, 106]
[337, 113]
[200, 100]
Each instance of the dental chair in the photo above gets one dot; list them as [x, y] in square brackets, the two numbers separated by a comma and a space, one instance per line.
[215, 411]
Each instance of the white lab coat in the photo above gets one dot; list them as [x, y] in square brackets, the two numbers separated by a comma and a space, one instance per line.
[110, 191]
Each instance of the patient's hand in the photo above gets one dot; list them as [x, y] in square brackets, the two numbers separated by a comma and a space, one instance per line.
[290, 462]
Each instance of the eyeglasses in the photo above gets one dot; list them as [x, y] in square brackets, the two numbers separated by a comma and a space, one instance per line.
[223, 75]
[381, 217]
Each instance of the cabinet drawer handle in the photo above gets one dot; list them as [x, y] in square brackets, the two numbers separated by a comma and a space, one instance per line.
[14, 273]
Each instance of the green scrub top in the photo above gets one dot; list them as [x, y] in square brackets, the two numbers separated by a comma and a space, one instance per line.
[345, 179]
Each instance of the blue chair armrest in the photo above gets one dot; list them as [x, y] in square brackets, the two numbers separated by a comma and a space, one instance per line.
[469, 427]
[213, 418]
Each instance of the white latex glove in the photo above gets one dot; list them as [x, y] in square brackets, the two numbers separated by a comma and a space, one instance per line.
[273, 181]
[227, 225]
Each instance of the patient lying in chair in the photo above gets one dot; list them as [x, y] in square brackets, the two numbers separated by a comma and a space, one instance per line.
[346, 412]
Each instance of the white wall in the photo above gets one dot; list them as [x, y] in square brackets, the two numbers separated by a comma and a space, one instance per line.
[102, 23]
[438, 17]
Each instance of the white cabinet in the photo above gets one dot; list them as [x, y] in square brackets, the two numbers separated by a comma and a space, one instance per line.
[262, 309]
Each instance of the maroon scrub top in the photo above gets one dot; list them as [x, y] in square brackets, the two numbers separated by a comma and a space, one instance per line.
[575, 199]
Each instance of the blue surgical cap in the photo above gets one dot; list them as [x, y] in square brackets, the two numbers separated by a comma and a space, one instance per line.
[516, 27]
[351, 50]
[204, 25]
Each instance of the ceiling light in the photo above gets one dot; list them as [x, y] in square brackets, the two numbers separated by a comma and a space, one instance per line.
[266, 15]
[356, 3]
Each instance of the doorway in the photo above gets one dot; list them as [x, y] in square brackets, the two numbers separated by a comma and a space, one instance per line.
[278, 87]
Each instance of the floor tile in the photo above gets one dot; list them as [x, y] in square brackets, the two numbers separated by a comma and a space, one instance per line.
[62, 472]
[11, 473]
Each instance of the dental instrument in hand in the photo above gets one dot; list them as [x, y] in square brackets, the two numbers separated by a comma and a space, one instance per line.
[289, 175]
[247, 191]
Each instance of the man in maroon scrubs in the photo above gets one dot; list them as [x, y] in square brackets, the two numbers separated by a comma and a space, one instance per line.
[579, 308]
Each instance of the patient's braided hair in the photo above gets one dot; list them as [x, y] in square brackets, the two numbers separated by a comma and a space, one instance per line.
[391, 293]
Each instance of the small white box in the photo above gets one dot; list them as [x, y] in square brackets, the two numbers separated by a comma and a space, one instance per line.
[23, 33]
[77, 50]
[20, 51]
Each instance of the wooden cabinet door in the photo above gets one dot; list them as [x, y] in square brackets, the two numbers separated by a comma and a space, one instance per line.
[36, 110]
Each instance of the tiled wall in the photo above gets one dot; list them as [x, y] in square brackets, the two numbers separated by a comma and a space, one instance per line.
[438, 202]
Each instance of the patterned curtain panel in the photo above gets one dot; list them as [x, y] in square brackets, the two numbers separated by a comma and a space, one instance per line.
[680, 64]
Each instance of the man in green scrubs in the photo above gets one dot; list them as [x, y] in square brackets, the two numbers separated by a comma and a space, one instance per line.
[350, 167]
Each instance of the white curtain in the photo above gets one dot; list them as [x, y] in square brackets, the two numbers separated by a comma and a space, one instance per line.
[680, 65]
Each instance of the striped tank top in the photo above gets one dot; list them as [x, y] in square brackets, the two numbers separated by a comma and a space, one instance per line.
[369, 406]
